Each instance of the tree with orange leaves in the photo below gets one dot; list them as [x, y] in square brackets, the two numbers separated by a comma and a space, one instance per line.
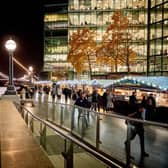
[82, 50]
[115, 48]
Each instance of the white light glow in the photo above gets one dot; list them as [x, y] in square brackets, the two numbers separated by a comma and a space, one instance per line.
[10, 45]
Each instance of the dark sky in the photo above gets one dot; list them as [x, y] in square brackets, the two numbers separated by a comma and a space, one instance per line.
[23, 21]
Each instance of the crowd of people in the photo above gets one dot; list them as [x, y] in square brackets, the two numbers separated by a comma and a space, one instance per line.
[95, 101]
[144, 109]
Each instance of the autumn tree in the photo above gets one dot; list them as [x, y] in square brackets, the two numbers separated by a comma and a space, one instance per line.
[115, 48]
[82, 50]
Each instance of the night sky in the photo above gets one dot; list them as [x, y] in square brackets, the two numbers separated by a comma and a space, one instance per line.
[23, 21]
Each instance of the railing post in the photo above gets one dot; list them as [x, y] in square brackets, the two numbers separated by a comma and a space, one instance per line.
[27, 117]
[98, 131]
[22, 111]
[68, 155]
[46, 114]
[53, 113]
[32, 125]
[62, 115]
[83, 120]
[43, 136]
[128, 145]
[72, 118]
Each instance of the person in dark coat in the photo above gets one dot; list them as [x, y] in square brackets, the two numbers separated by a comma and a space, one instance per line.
[82, 101]
[134, 129]
[133, 102]
[95, 100]
[104, 99]
[144, 105]
[150, 108]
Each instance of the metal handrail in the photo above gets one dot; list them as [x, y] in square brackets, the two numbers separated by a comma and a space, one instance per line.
[67, 134]
[118, 116]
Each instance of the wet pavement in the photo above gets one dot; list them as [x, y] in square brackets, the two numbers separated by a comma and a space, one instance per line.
[112, 132]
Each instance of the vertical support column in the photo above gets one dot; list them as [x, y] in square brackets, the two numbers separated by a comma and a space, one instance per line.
[10, 87]
[27, 117]
[10, 46]
[62, 115]
[98, 131]
[162, 43]
[11, 68]
[22, 111]
[148, 37]
[83, 126]
[128, 145]
[53, 112]
[68, 155]
[72, 118]
[46, 114]
[32, 125]
[43, 136]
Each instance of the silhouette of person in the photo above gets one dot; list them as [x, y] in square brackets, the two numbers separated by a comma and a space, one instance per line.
[133, 102]
[133, 129]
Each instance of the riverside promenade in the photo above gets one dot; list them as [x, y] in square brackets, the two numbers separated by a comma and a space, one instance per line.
[18, 148]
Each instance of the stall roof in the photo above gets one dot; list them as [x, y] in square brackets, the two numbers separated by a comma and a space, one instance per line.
[94, 82]
[159, 82]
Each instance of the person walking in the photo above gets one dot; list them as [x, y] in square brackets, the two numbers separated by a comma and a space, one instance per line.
[133, 102]
[110, 104]
[82, 102]
[151, 108]
[54, 91]
[144, 105]
[95, 100]
[133, 129]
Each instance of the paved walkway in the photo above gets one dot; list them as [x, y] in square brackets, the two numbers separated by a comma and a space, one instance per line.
[18, 148]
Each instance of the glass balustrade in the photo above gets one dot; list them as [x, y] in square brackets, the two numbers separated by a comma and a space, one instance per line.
[105, 133]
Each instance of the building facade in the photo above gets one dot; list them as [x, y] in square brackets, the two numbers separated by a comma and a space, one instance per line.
[56, 39]
[157, 59]
[148, 26]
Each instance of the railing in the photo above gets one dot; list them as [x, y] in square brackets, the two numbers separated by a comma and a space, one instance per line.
[59, 142]
[105, 134]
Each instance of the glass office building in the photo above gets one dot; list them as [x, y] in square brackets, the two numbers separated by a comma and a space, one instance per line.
[157, 59]
[56, 39]
[148, 26]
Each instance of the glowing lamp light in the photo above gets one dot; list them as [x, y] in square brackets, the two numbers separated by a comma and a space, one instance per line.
[31, 69]
[10, 45]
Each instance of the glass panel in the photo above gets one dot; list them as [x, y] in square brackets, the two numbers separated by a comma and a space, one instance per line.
[158, 2]
[36, 125]
[55, 113]
[158, 63]
[113, 133]
[166, 5]
[55, 147]
[156, 139]
[83, 159]
[112, 136]
[165, 29]
[84, 124]
[66, 116]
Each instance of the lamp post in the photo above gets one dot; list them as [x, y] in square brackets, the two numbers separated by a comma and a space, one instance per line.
[31, 73]
[10, 45]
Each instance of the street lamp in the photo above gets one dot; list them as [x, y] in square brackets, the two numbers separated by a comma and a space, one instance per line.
[31, 73]
[10, 45]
